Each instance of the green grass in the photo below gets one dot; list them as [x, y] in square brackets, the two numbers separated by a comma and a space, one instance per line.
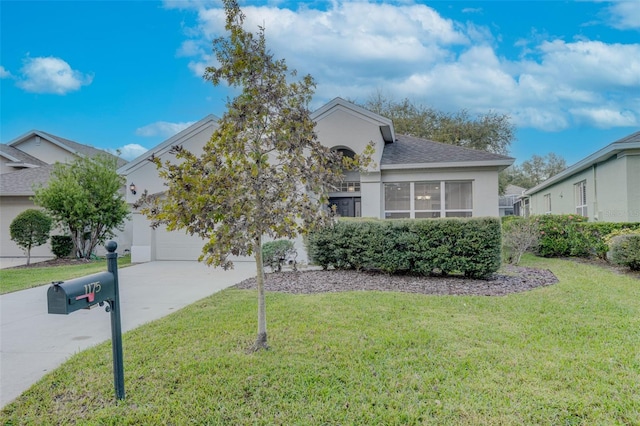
[15, 279]
[561, 355]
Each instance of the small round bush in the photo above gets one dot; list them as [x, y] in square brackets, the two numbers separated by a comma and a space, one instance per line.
[625, 250]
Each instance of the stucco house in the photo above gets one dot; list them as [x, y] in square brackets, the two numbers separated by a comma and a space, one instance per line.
[409, 178]
[605, 186]
[27, 161]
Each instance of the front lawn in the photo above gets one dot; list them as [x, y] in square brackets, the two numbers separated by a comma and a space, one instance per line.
[16, 279]
[565, 354]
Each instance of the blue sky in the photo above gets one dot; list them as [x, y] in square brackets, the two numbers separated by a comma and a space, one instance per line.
[127, 74]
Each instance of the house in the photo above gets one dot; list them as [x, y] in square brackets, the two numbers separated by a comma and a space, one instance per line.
[509, 199]
[605, 186]
[409, 178]
[25, 162]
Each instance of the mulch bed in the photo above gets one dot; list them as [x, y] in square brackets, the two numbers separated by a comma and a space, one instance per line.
[512, 279]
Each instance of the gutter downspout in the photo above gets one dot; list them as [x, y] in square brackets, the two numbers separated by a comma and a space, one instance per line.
[595, 192]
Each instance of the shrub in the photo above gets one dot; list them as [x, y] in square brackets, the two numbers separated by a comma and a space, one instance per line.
[557, 234]
[571, 235]
[276, 253]
[421, 246]
[519, 236]
[625, 251]
[61, 245]
[29, 229]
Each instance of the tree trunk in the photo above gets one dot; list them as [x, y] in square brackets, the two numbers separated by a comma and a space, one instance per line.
[261, 341]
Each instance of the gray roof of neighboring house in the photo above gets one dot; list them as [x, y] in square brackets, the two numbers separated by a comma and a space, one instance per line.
[19, 157]
[514, 190]
[69, 145]
[614, 148]
[21, 182]
[409, 151]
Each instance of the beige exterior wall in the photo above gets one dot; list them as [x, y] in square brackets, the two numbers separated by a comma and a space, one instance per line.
[45, 151]
[10, 207]
[613, 191]
[4, 168]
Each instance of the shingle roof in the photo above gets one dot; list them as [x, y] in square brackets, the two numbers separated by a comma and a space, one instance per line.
[21, 182]
[632, 138]
[20, 156]
[87, 150]
[412, 150]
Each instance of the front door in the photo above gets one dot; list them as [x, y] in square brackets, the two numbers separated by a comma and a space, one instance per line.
[347, 206]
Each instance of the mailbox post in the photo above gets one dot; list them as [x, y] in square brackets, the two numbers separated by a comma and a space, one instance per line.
[89, 291]
[116, 328]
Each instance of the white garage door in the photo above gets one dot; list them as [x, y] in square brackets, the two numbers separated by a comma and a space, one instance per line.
[177, 245]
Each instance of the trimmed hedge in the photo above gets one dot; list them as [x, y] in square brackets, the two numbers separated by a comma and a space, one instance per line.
[419, 246]
[572, 235]
[61, 245]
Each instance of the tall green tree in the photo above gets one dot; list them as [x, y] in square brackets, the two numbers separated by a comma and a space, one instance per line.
[490, 131]
[85, 197]
[31, 228]
[262, 174]
[533, 171]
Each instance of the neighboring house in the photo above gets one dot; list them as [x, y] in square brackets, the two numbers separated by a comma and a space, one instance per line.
[508, 200]
[604, 186]
[27, 161]
[410, 177]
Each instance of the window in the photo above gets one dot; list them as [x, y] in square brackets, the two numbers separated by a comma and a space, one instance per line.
[397, 200]
[581, 198]
[348, 186]
[428, 199]
[547, 203]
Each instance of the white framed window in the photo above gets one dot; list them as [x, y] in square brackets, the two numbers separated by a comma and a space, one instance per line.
[547, 203]
[348, 186]
[428, 199]
[581, 198]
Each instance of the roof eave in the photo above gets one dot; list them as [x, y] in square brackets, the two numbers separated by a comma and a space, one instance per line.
[502, 164]
[587, 162]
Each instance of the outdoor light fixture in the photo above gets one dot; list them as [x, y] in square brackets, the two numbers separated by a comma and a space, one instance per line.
[132, 188]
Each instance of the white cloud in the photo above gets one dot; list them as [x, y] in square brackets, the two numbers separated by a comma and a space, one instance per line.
[129, 151]
[4, 73]
[51, 75]
[162, 128]
[606, 118]
[548, 83]
[625, 15]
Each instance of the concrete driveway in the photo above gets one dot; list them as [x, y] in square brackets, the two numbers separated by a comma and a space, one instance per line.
[32, 342]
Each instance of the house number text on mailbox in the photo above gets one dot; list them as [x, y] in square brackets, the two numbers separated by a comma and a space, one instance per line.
[80, 293]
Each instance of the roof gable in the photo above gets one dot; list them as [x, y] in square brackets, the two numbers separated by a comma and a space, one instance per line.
[165, 146]
[67, 145]
[386, 125]
[412, 152]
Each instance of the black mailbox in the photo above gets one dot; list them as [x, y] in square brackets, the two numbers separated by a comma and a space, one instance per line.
[69, 296]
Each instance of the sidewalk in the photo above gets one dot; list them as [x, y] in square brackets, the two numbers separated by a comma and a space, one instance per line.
[32, 342]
